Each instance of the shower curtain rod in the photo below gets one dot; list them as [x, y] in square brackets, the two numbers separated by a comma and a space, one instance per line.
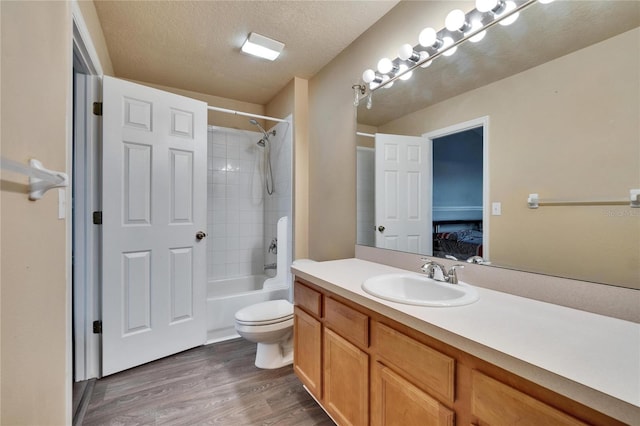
[368, 135]
[246, 114]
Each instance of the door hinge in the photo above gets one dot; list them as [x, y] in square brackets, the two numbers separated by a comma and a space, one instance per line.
[97, 218]
[97, 327]
[97, 108]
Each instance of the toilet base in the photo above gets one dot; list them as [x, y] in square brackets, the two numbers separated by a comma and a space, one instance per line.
[274, 355]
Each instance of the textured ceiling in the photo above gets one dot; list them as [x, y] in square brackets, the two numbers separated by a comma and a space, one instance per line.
[195, 45]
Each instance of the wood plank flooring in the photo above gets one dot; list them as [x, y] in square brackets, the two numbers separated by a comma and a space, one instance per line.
[216, 384]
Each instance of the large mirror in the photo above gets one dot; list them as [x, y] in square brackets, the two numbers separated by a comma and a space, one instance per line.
[554, 100]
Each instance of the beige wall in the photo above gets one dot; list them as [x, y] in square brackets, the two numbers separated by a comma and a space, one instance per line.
[294, 99]
[332, 123]
[35, 332]
[567, 130]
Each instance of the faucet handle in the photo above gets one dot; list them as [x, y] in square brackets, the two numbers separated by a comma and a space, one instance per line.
[453, 275]
[427, 265]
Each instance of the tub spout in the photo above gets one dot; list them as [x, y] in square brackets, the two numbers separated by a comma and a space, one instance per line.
[271, 266]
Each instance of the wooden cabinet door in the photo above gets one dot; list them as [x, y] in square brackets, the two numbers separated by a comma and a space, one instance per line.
[495, 403]
[397, 402]
[307, 351]
[346, 381]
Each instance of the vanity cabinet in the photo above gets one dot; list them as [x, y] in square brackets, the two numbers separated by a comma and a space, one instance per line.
[367, 369]
[493, 402]
[346, 380]
[307, 351]
[396, 401]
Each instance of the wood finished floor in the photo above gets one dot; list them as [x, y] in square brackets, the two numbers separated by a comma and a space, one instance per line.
[216, 384]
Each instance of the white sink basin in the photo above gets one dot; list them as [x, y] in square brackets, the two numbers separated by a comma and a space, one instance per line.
[416, 289]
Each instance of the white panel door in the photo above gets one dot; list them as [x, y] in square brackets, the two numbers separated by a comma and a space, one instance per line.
[403, 193]
[154, 204]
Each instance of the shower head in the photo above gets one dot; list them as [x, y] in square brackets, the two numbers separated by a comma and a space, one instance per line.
[264, 132]
[261, 143]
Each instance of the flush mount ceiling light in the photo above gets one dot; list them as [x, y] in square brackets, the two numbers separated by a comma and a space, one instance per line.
[263, 47]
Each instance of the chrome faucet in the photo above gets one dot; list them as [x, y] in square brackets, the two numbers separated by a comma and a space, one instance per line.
[273, 247]
[439, 272]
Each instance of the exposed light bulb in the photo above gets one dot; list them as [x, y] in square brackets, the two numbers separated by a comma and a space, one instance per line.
[424, 55]
[368, 76]
[429, 38]
[373, 85]
[509, 6]
[406, 52]
[402, 69]
[475, 26]
[446, 42]
[486, 5]
[456, 21]
[384, 83]
[385, 65]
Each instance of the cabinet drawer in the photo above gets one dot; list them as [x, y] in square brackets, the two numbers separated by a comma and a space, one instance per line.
[431, 370]
[308, 299]
[496, 403]
[348, 322]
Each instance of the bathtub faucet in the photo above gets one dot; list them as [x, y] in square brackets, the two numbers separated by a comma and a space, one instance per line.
[271, 266]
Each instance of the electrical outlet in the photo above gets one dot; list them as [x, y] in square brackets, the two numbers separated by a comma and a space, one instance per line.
[496, 209]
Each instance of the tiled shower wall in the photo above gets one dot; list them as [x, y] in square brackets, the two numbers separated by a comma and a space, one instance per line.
[239, 220]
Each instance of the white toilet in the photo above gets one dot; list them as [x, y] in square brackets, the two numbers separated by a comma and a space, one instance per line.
[270, 325]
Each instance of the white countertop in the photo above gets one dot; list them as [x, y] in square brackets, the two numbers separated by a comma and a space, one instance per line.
[590, 358]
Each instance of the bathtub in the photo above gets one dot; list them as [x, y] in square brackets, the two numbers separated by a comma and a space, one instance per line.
[225, 297]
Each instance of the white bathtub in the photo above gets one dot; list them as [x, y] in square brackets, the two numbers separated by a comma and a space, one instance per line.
[226, 297]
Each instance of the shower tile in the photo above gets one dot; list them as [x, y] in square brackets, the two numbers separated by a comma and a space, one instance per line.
[232, 228]
[246, 179]
[232, 191]
[233, 269]
[218, 163]
[218, 150]
[233, 205]
[218, 176]
[217, 230]
[219, 190]
[218, 243]
[233, 243]
[233, 178]
[248, 243]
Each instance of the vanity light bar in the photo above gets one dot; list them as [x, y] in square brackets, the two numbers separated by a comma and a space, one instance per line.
[533, 201]
[445, 43]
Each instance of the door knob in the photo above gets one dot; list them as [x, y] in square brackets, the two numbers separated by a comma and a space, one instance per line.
[200, 235]
[381, 228]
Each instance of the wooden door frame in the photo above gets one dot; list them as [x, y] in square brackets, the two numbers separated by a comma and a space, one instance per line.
[461, 127]
[84, 353]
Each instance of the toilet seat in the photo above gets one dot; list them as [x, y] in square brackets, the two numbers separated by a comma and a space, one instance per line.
[265, 313]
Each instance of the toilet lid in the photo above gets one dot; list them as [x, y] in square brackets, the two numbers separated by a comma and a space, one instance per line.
[264, 313]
